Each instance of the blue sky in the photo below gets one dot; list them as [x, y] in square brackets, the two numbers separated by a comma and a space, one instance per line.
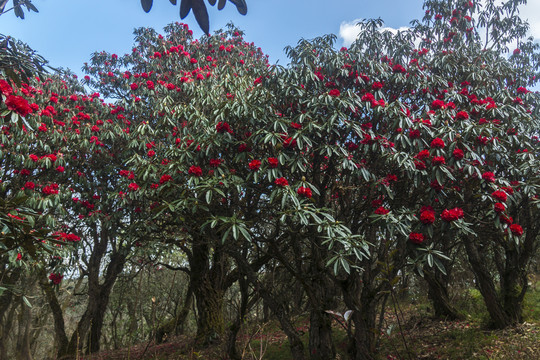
[66, 32]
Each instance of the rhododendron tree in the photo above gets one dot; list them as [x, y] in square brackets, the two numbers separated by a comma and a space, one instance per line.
[61, 159]
[345, 169]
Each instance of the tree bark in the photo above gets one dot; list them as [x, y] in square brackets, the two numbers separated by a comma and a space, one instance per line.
[486, 286]
[321, 296]
[438, 294]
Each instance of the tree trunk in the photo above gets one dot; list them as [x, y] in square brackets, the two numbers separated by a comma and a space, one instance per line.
[487, 288]
[321, 345]
[321, 298]
[23, 339]
[60, 336]
[101, 301]
[438, 294]
[210, 322]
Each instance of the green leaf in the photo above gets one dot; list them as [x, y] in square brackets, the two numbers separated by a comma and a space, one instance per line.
[27, 302]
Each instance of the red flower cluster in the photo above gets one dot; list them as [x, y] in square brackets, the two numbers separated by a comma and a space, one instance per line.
[281, 182]
[304, 191]
[334, 92]
[133, 187]
[195, 170]
[18, 104]
[500, 195]
[255, 165]
[165, 178]
[62, 236]
[458, 154]
[427, 215]
[273, 162]
[438, 160]
[462, 115]
[126, 173]
[50, 189]
[416, 238]
[223, 127]
[499, 207]
[449, 215]
[5, 88]
[56, 278]
[437, 143]
[516, 229]
[488, 176]
[381, 211]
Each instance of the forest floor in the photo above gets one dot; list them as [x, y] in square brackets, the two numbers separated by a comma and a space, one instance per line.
[415, 336]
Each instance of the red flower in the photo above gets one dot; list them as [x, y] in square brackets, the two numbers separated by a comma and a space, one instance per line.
[165, 178]
[60, 169]
[416, 238]
[150, 85]
[437, 143]
[51, 189]
[304, 191]
[437, 104]
[151, 153]
[381, 211]
[399, 69]
[273, 162]
[133, 187]
[5, 88]
[499, 207]
[377, 85]
[215, 162]
[438, 160]
[516, 229]
[223, 127]
[488, 176]
[29, 185]
[427, 216]
[462, 115]
[255, 165]
[18, 104]
[452, 214]
[195, 170]
[281, 182]
[56, 278]
[422, 155]
[134, 86]
[334, 92]
[500, 195]
[458, 154]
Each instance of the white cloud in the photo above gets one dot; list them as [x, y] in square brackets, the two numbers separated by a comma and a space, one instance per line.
[531, 12]
[348, 31]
